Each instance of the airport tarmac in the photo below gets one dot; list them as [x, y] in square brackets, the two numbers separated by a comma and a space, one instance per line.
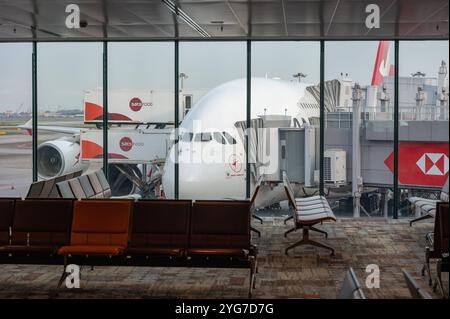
[16, 162]
[15, 153]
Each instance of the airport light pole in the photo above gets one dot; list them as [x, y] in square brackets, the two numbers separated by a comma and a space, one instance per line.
[183, 76]
[300, 76]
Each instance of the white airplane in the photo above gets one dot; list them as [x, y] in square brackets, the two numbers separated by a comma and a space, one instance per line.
[211, 154]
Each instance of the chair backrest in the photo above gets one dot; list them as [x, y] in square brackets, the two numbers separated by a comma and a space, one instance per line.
[64, 190]
[35, 189]
[76, 187]
[351, 289]
[96, 186]
[104, 182]
[161, 223]
[47, 188]
[220, 224]
[414, 288]
[256, 190]
[441, 231]
[54, 192]
[77, 173]
[86, 185]
[68, 176]
[444, 191]
[6, 216]
[101, 222]
[41, 222]
[290, 194]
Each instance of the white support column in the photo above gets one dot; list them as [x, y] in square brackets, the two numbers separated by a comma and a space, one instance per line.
[356, 151]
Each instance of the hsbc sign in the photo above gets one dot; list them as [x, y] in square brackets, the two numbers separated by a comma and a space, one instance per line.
[422, 164]
[433, 164]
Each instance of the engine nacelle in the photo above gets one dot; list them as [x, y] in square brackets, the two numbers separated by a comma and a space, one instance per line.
[59, 157]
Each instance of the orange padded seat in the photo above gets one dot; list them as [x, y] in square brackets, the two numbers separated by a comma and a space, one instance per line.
[99, 227]
[90, 250]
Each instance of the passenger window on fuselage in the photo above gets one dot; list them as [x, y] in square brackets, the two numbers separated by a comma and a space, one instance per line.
[219, 138]
[229, 138]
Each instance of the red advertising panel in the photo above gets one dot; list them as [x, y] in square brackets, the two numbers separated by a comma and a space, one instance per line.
[422, 164]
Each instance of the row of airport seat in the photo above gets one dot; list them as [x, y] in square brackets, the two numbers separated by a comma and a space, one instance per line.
[127, 232]
[425, 208]
[93, 185]
[47, 188]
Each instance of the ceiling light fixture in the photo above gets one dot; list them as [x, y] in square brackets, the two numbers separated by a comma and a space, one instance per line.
[180, 13]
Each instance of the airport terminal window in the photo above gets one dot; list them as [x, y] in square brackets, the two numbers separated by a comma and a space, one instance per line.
[283, 89]
[423, 156]
[357, 173]
[68, 74]
[15, 109]
[140, 91]
[217, 71]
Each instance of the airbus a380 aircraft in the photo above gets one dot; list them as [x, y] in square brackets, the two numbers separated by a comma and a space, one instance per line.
[211, 154]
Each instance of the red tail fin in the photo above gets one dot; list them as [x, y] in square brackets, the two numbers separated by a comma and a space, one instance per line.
[382, 66]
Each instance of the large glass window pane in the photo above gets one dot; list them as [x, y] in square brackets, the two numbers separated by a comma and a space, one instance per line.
[141, 106]
[423, 123]
[212, 100]
[285, 116]
[359, 101]
[67, 74]
[15, 109]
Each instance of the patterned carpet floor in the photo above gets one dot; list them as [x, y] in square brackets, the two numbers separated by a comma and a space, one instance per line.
[308, 272]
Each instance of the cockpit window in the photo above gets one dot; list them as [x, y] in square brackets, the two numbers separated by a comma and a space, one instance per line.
[219, 138]
[202, 137]
[229, 138]
[187, 137]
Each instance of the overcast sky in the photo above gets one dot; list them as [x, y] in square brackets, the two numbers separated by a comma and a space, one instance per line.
[66, 70]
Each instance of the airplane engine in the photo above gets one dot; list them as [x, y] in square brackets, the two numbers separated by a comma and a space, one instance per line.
[59, 157]
[121, 178]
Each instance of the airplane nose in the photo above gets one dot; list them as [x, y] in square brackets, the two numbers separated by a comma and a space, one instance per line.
[168, 177]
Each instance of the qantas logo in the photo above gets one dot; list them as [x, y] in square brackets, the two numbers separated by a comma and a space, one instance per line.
[384, 67]
[235, 163]
[433, 164]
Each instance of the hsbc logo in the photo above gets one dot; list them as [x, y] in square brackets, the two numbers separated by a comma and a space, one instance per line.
[433, 164]
[136, 104]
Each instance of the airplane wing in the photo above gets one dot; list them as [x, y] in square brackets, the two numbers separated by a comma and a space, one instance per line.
[58, 129]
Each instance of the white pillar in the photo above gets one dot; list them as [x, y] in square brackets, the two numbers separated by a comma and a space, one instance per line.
[356, 151]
